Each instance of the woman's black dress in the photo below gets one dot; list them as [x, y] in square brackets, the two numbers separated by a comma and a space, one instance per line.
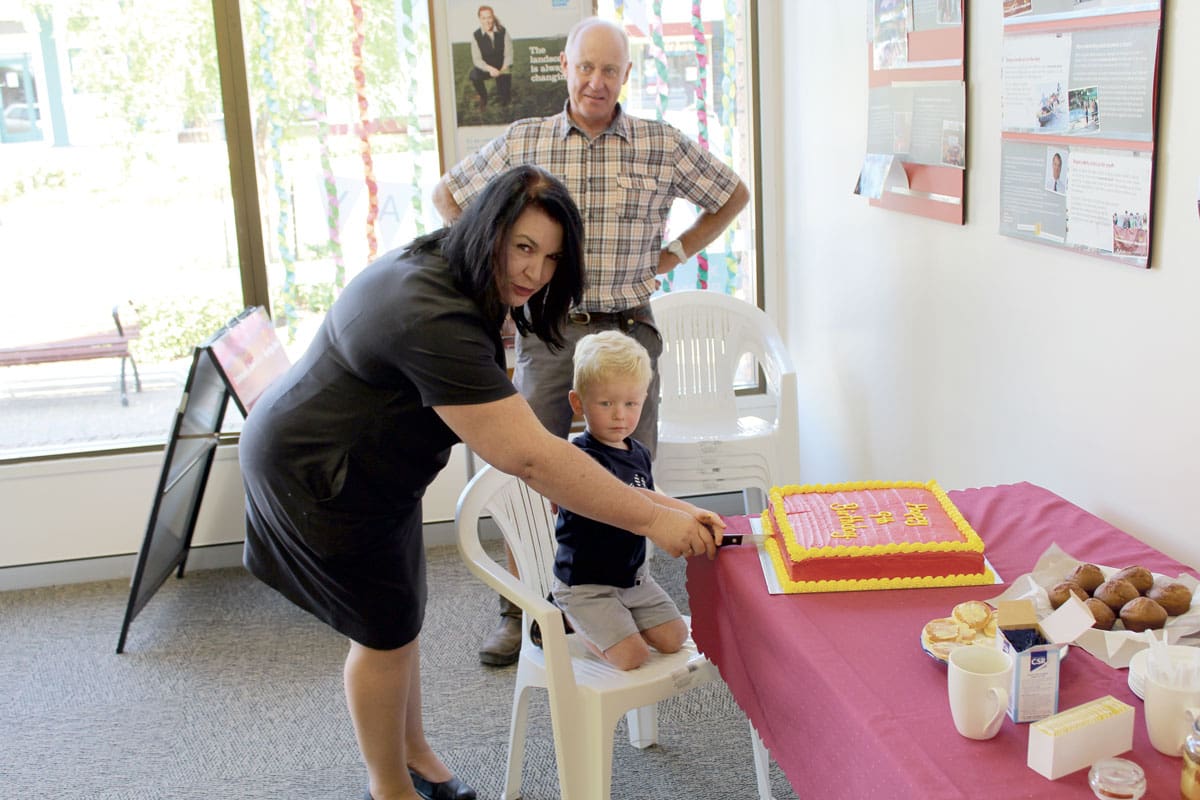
[337, 453]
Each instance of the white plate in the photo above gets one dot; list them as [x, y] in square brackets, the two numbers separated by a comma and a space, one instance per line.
[1062, 653]
[979, 643]
[1137, 672]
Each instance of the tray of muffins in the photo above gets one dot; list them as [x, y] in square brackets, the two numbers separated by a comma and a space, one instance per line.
[1125, 600]
[1128, 599]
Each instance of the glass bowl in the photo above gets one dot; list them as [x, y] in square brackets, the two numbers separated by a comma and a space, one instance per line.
[1117, 779]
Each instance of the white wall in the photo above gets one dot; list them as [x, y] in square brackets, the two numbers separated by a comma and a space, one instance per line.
[928, 350]
[83, 508]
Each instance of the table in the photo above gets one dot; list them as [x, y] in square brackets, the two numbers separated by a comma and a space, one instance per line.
[850, 706]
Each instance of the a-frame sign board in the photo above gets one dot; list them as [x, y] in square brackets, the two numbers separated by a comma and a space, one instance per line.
[239, 361]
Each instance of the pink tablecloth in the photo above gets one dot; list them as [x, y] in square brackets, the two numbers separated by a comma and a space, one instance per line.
[851, 707]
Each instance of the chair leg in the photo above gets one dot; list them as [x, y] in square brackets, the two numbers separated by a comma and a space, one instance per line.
[643, 726]
[587, 772]
[762, 765]
[516, 742]
[583, 748]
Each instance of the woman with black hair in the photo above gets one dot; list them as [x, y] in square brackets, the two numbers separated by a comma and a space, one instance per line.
[338, 452]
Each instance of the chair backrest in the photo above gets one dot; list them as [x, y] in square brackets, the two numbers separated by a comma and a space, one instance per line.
[524, 518]
[705, 335]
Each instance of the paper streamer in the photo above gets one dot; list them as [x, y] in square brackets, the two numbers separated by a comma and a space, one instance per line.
[332, 213]
[701, 74]
[701, 117]
[728, 118]
[274, 136]
[659, 54]
[364, 130]
[619, 18]
[410, 47]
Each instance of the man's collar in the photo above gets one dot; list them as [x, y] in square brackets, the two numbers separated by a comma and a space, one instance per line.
[618, 127]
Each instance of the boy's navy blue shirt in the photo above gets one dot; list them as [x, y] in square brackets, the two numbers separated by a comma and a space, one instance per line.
[591, 551]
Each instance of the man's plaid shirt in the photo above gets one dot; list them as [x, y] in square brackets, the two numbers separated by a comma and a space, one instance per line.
[623, 181]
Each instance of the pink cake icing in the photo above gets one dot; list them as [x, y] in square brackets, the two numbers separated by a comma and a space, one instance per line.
[871, 535]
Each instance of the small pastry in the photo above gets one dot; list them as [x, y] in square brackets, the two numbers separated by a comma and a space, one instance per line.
[1061, 591]
[941, 650]
[1142, 613]
[1116, 592]
[974, 613]
[944, 629]
[1088, 576]
[1175, 598]
[1104, 616]
[1140, 577]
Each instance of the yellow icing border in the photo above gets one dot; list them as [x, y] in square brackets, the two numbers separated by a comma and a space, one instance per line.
[971, 542]
[790, 586]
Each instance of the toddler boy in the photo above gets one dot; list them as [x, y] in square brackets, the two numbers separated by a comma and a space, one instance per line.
[602, 582]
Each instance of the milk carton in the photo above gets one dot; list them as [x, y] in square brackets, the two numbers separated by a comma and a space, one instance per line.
[1036, 647]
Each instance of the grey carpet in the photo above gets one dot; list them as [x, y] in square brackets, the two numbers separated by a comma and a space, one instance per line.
[227, 691]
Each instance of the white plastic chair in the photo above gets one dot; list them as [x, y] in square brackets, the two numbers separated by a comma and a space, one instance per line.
[705, 445]
[587, 696]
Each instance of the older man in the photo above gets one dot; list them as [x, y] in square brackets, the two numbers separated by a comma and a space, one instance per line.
[624, 172]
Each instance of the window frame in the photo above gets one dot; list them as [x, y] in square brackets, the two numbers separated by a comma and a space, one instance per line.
[244, 189]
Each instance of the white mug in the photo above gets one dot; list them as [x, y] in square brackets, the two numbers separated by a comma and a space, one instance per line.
[1170, 710]
[979, 681]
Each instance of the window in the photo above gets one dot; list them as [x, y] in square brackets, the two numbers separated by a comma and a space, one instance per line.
[693, 73]
[341, 94]
[117, 190]
[114, 195]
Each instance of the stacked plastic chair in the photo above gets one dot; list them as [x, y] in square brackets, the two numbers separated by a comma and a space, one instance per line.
[706, 445]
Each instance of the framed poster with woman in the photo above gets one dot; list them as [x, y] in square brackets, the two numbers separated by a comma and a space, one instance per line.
[497, 62]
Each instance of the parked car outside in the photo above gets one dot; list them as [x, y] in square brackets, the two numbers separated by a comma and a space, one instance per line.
[21, 117]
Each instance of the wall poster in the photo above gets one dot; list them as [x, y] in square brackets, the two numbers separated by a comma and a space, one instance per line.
[917, 108]
[1079, 94]
[497, 63]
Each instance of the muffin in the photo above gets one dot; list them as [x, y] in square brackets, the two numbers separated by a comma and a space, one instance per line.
[1059, 592]
[1105, 616]
[1140, 577]
[1116, 592]
[1142, 613]
[1088, 576]
[1175, 598]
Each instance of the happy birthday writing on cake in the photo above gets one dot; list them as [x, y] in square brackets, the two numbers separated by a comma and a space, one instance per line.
[850, 522]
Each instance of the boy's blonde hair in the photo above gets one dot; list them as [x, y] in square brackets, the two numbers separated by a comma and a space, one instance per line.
[608, 355]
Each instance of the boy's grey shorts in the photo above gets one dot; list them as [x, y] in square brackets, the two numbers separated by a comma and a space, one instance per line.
[605, 615]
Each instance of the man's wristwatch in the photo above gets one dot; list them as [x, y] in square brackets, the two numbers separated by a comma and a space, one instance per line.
[675, 248]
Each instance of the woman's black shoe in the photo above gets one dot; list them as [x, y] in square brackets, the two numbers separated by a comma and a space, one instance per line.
[453, 789]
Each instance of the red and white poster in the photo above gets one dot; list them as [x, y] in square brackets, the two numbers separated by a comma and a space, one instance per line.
[250, 356]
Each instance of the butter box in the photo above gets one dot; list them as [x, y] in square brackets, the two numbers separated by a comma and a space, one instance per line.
[1036, 648]
[1080, 736]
